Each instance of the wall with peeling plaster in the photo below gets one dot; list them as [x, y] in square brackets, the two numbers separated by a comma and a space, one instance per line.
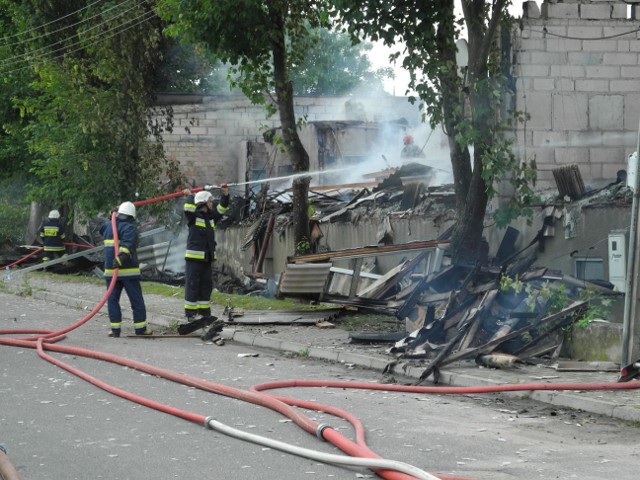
[580, 233]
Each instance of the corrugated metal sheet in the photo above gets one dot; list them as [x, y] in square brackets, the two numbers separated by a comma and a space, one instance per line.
[166, 253]
[304, 279]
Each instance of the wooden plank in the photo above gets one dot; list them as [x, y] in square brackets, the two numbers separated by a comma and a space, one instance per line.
[369, 251]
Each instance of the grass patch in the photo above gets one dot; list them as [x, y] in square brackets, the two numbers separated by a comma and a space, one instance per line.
[58, 278]
[303, 353]
[247, 302]
[354, 321]
[358, 321]
[254, 302]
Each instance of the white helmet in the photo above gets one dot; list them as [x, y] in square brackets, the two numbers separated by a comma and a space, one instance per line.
[127, 208]
[54, 214]
[202, 197]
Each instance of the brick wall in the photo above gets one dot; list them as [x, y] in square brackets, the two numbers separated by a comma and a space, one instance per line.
[210, 133]
[576, 70]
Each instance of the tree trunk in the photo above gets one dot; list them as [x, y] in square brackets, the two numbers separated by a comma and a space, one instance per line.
[36, 215]
[294, 149]
[467, 231]
[453, 107]
[466, 237]
[471, 190]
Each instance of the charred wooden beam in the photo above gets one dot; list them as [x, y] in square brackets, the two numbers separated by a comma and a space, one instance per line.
[472, 316]
[569, 181]
[490, 346]
[410, 303]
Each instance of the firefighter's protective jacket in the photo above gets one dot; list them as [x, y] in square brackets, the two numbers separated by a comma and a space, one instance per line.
[127, 243]
[52, 234]
[201, 241]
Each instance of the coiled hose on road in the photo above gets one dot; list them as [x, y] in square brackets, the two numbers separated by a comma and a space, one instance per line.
[359, 453]
[46, 340]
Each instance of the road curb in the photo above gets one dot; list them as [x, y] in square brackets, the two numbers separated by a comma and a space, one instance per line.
[558, 398]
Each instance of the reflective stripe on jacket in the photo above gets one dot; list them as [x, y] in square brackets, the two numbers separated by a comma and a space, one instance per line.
[127, 243]
[52, 234]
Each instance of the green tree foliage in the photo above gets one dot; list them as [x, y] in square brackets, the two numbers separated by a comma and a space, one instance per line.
[86, 119]
[14, 154]
[189, 69]
[469, 102]
[14, 212]
[333, 65]
[261, 40]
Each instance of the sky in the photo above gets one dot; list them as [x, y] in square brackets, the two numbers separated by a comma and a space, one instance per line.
[379, 57]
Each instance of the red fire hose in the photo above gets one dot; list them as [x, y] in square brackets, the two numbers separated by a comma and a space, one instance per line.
[46, 340]
[26, 257]
[7, 471]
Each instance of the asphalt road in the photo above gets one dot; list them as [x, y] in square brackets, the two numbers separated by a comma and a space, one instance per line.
[55, 425]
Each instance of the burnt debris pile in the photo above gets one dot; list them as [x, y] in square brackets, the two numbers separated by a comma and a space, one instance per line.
[496, 319]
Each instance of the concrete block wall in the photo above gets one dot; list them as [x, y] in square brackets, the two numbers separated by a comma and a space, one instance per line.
[576, 69]
[210, 132]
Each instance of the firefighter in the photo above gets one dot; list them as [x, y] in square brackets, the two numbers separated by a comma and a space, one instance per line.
[126, 264]
[410, 149]
[52, 234]
[201, 214]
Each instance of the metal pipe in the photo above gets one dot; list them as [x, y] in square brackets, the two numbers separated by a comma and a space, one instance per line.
[631, 284]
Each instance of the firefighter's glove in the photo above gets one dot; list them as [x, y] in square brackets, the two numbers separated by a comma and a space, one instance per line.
[120, 259]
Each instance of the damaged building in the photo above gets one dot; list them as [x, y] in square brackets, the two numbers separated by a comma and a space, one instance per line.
[379, 222]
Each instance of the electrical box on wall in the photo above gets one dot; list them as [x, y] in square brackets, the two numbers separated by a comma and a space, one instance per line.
[618, 259]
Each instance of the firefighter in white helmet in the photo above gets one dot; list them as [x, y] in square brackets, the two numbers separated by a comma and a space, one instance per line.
[202, 214]
[52, 234]
[128, 268]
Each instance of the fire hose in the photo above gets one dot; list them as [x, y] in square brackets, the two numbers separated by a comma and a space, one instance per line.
[46, 341]
[359, 452]
[7, 471]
